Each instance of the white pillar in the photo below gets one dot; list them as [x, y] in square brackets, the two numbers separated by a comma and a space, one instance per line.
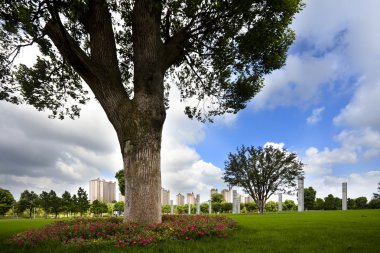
[209, 207]
[234, 200]
[171, 207]
[198, 204]
[344, 196]
[189, 208]
[280, 202]
[300, 194]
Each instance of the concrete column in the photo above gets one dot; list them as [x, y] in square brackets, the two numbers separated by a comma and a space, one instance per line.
[209, 207]
[238, 205]
[234, 200]
[189, 209]
[280, 202]
[171, 207]
[300, 194]
[198, 204]
[344, 196]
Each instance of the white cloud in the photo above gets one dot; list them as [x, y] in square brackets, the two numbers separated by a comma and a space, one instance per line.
[315, 116]
[279, 146]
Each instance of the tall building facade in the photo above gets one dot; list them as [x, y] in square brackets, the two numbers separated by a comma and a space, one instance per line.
[102, 190]
[226, 195]
[213, 191]
[180, 199]
[165, 197]
[190, 198]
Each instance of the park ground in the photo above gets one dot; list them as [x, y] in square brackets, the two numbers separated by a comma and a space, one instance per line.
[316, 231]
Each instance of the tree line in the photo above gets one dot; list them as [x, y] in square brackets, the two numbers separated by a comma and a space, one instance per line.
[52, 204]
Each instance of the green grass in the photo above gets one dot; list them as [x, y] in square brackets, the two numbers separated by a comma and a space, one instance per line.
[325, 231]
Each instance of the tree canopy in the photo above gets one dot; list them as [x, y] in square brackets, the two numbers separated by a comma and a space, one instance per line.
[6, 201]
[129, 53]
[262, 171]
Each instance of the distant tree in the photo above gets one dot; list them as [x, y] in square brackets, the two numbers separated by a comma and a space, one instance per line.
[119, 207]
[98, 208]
[121, 181]
[374, 203]
[204, 207]
[332, 203]
[217, 198]
[262, 171]
[319, 204]
[289, 205]
[180, 209]
[6, 201]
[28, 201]
[251, 207]
[309, 198]
[66, 203]
[83, 203]
[361, 202]
[226, 207]
[165, 209]
[377, 195]
[55, 203]
[351, 204]
[44, 203]
[216, 207]
[74, 208]
[271, 206]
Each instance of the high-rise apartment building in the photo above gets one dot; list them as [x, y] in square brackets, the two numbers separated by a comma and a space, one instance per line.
[180, 199]
[213, 191]
[165, 197]
[190, 198]
[226, 195]
[102, 190]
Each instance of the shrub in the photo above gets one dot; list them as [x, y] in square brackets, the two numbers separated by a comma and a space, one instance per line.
[173, 227]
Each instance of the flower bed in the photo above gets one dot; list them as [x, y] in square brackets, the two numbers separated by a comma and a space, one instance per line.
[173, 227]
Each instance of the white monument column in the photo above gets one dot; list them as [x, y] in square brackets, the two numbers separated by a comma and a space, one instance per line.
[189, 208]
[209, 207]
[344, 196]
[234, 200]
[171, 207]
[280, 202]
[198, 204]
[300, 194]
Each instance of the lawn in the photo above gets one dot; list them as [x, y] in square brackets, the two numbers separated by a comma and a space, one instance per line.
[324, 231]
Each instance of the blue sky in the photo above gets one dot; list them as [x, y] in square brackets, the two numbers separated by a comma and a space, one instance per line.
[323, 105]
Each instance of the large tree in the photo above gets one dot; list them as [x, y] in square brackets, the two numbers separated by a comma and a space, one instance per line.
[82, 203]
[127, 52]
[262, 171]
[377, 195]
[6, 201]
[28, 201]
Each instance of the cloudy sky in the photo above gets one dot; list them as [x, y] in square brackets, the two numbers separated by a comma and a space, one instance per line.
[323, 105]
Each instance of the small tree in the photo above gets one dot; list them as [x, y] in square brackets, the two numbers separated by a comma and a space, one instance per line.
[262, 171]
[289, 205]
[28, 201]
[98, 207]
[332, 203]
[6, 201]
[309, 198]
[74, 208]
[66, 203]
[55, 203]
[119, 207]
[374, 204]
[165, 209]
[361, 202]
[271, 206]
[45, 203]
[319, 204]
[217, 198]
[83, 203]
[351, 204]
